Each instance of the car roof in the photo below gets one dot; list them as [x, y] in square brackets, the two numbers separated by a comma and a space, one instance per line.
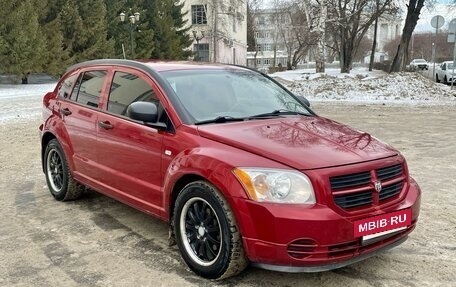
[159, 66]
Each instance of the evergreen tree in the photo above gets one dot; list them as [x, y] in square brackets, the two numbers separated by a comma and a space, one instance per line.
[92, 41]
[22, 43]
[169, 39]
[56, 58]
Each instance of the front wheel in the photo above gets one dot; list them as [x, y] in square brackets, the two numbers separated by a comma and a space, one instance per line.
[206, 232]
[58, 176]
[445, 80]
[437, 78]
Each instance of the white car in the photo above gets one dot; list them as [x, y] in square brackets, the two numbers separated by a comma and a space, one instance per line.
[445, 73]
[420, 64]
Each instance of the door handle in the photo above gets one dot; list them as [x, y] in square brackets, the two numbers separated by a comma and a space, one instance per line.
[106, 125]
[65, 111]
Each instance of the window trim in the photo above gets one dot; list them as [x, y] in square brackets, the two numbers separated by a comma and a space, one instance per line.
[79, 72]
[103, 109]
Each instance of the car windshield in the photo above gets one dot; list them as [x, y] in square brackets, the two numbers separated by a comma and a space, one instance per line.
[450, 66]
[227, 95]
[419, 61]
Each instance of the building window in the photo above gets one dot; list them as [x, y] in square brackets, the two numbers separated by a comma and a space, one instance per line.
[201, 52]
[258, 61]
[234, 23]
[199, 14]
[267, 61]
[261, 20]
[257, 35]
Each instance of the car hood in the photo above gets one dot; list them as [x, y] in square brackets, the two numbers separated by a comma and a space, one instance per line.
[301, 143]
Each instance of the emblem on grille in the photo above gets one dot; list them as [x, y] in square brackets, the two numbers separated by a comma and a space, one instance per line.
[378, 186]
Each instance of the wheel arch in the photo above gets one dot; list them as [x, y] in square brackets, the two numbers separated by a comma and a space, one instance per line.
[177, 187]
[45, 139]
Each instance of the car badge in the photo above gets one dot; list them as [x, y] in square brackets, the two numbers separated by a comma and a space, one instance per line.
[378, 186]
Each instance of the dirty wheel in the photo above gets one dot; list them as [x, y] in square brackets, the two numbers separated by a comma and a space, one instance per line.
[58, 176]
[206, 232]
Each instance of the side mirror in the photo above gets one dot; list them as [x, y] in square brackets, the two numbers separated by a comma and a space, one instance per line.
[304, 101]
[145, 112]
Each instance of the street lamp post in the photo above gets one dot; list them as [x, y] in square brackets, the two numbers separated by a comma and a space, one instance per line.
[133, 18]
[198, 39]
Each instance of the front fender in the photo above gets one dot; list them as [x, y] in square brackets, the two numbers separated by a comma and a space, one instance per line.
[215, 164]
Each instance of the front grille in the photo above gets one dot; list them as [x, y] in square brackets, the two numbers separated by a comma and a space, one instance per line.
[389, 172]
[356, 190]
[391, 190]
[354, 199]
[351, 180]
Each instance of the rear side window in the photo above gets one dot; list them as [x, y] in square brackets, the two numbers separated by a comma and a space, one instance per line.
[126, 89]
[88, 88]
[66, 86]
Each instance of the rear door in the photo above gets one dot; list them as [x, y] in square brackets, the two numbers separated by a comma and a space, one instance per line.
[78, 111]
[129, 152]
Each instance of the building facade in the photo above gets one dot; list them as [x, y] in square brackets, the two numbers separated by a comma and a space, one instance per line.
[270, 30]
[218, 29]
[389, 28]
[273, 48]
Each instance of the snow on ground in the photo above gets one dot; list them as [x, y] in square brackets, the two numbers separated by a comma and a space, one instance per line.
[22, 101]
[364, 87]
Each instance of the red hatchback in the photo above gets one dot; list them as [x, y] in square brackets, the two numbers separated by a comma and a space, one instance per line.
[242, 169]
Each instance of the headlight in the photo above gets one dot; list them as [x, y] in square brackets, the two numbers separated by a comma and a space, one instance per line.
[276, 185]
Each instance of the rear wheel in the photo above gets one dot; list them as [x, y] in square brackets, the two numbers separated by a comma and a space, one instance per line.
[206, 232]
[437, 78]
[58, 176]
[445, 80]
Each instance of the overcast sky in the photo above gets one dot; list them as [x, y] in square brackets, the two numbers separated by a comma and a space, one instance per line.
[446, 11]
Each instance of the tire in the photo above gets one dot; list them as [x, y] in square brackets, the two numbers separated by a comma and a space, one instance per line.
[437, 78]
[58, 176]
[206, 232]
[445, 80]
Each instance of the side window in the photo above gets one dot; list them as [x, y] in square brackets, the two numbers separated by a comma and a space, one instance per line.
[88, 88]
[126, 89]
[66, 86]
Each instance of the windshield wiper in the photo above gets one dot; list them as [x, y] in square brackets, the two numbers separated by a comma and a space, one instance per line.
[219, 120]
[277, 113]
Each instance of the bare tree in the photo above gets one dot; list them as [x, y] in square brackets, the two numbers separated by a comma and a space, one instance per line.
[321, 37]
[374, 40]
[294, 27]
[253, 8]
[350, 21]
[413, 12]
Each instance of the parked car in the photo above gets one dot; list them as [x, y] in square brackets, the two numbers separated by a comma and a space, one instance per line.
[242, 169]
[445, 73]
[420, 64]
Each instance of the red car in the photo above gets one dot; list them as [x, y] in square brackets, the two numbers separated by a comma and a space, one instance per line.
[242, 170]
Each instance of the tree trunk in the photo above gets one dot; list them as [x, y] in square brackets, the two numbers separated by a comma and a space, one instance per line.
[321, 28]
[374, 44]
[413, 13]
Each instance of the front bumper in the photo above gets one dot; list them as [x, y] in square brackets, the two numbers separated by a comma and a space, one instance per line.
[298, 239]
